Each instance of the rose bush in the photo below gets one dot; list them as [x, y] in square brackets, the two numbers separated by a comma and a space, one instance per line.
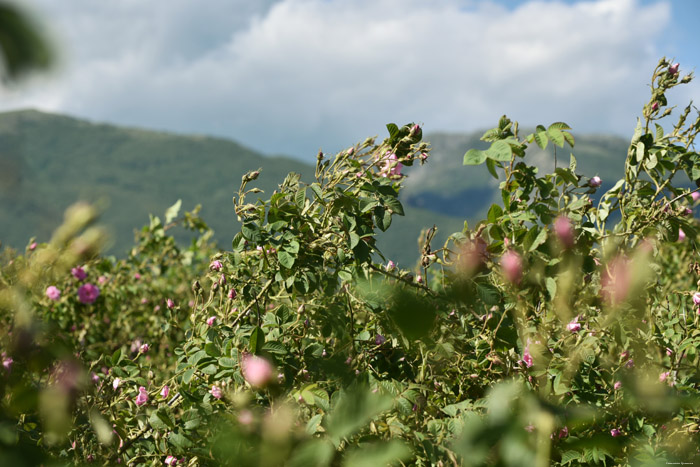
[550, 333]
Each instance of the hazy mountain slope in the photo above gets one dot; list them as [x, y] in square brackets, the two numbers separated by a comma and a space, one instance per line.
[48, 162]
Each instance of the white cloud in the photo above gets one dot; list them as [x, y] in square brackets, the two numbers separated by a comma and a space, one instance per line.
[299, 74]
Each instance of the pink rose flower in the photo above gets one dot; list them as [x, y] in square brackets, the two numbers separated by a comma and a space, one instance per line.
[615, 433]
[231, 294]
[211, 320]
[512, 266]
[53, 293]
[144, 348]
[137, 276]
[574, 326]
[595, 182]
[78, 272]
[170, 303]
[165, 391]
[88, 293]
[171, 460]
[216, 265]
[681, 235]
[695, 195]
[390, 266]
[696, 298]
[102, 279]
[142, 398]
[7, 363]
[256, 370]
[655, 106]
[32, 247]
[115, 383]
[527, 357]
[673, 69]
[617, 385]
[564, 230]
[216, 392]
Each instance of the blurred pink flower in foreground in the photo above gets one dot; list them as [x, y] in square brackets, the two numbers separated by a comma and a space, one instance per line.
[512, 266]
[170, 303]
[681, 235]
[211, 320]
[616, 280]
[256, 370]
[53, 293]
[564, 230]
[142, 398]
[88, 293]
[171, 460]
[615, 433]
[165, 391]
[216, 265]
[617, 385]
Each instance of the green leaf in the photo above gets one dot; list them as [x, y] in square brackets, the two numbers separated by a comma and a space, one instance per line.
[393, 130]
[257, 340]
[569, 138]
[187, 376]
[551, 285]
[541, 139]
[567, 175]
[313, 424]
[500, 151]
[640, 151]
[179, 440]
[116, 356]
[659, 132]
[392, 452]
[317, 191]
[160, 420]
[102, 428]
[559, 126]
[172, 212]
[300, 197]
[556, 136]
[474, 157]
[275, 348]
[211, 349]
[251, 232]
[285, 259]
[354, 409]
[313, 453]
[570, 456]
[354, 239]
[495, 212]
[227, 362]
[491, 165]
[394, 204]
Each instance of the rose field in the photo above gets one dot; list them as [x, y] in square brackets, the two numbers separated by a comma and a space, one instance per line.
[557, 331]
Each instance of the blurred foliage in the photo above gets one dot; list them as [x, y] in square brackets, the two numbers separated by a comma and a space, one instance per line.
[23, 48]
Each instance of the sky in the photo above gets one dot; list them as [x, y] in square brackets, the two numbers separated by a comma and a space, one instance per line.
[295, 76]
